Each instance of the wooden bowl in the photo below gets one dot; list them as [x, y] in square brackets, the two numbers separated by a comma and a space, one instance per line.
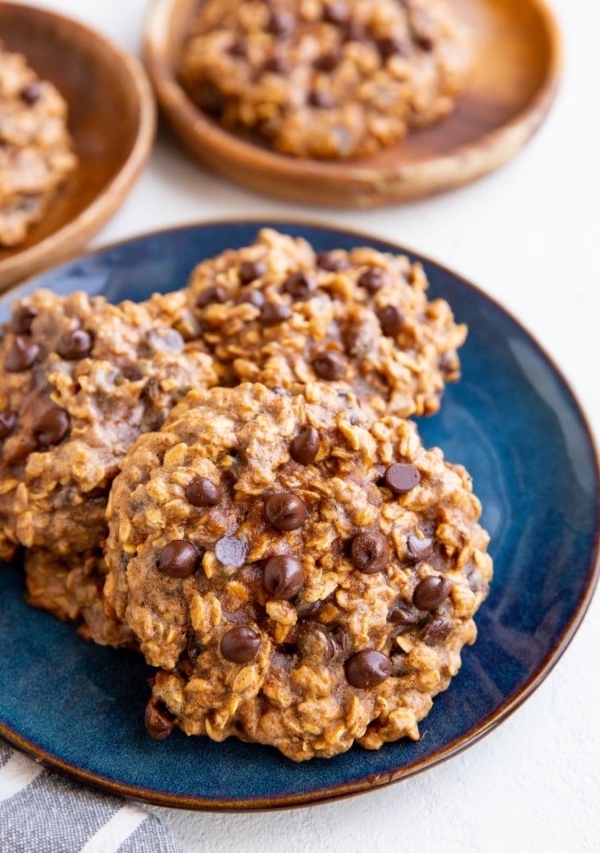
[512, 88]
[111, 119]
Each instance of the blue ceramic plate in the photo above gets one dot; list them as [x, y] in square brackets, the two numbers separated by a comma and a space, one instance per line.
[512, 421]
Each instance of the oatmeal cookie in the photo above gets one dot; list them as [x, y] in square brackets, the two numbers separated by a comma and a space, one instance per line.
[36, 150]
[71, 588]
[304, 574]
[322, 78]
[80, 379]
[278, 313]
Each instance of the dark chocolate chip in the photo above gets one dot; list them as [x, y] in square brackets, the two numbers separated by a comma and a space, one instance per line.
[31, 93]
[305, 445]
[231, 552]
[430, 592]
[321, 99]
[418, 549]
[392, 46]
[277, 65]
[425, 42]
[300, 285]
[401, 477]
[211, 100]
[328, 61]
[159, 722]
[436, 631]
[8, 421]
[402, 615]
[336, 13]
[391, 321]
[285, 511]
[330, 365]
[22, 318]
[331, 262]
[202, 492]
[240, 645]
[368, 668]
[251, 270]
[239, 48]
[283, 577]
[372, 279]
[22, 354]
[179, 559]
[75, 344]
[213, 294]
[282, 23]
[370, 552]
[273, 313]
[51, 427]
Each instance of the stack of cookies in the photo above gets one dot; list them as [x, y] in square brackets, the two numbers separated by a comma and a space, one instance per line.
[225, 479]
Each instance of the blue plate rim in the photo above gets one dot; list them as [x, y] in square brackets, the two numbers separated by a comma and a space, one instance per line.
[371, 781]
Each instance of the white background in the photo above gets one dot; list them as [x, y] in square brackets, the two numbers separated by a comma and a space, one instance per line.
[530, 236]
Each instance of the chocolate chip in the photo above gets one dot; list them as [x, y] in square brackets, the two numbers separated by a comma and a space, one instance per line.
[282, 23]
[370, 552]
[285, 511]
[305, 445]
[300, 285]
[336, 13]
[277, 65]
[436, 631]
[418, 549]
[231, 552]
[430, 592]
[401, 477]
[31, 93]
[240, 645]
[402, 615]
[330, 365]
[372, 279]
[251, 270]
[283, 577]
[239, 48]
[273, 313]
[392, 46]
[210, 296]
[8, 421]
[391, 321]
[21, 320]
[210, 99]
[51, 427]
[21, 355]
[179, 559]
[321, 99]
[202, 492]
[159, 722]
[368, 668]
[328, 62]
[331, 262]
[425, 42]
[74, 345]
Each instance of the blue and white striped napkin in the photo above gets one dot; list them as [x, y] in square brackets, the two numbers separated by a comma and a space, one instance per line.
[41, 812]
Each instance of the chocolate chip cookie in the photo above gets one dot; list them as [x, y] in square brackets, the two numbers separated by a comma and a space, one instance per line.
[80, 379]
[326, 78]
[71, 588]
[279, 313]
[304, 573]
[36, 150]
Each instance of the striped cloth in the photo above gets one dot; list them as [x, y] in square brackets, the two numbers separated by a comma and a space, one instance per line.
[46, 813]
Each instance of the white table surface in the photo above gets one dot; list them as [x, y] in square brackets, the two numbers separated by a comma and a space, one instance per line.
[530, 236]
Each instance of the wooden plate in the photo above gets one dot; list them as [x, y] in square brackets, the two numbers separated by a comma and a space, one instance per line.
[111, 118]
[512, 88]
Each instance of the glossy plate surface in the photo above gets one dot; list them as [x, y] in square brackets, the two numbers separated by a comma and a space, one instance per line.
[512, 421]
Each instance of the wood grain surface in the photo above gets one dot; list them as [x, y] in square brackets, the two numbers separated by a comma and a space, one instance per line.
[515, 78]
